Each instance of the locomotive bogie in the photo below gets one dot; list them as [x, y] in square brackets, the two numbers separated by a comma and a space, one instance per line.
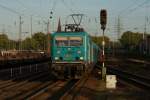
[68, 70]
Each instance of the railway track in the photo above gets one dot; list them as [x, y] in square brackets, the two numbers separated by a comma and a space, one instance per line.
[21, 89]
[75, 90]
[139, 81]
[37, 86]
[139, 61]
[60, 89]
[41, 86]
[53, 91]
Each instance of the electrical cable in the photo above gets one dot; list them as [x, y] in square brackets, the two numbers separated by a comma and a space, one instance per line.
[54, 5]
[65, 4]
[129, 7]
[138, 6]
[27, 7]
[10, 10]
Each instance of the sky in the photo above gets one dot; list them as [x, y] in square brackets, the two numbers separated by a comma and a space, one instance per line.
[133, 15]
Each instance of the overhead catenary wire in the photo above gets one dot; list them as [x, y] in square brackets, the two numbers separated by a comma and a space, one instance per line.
[140, 5]
[22, 4]
[54, 3]
[10, 10]
[131, 10]
[32, 13]
[14, 11]
[66, 5]
[128, 7]
[73, 4]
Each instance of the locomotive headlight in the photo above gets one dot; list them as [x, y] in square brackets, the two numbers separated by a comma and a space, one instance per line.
[78, 52]
[58, 52]
[56, 58]
[81, 58]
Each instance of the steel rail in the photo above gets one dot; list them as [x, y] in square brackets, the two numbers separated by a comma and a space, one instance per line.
[137, 80]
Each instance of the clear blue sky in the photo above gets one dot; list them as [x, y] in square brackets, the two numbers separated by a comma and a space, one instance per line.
[132, 14]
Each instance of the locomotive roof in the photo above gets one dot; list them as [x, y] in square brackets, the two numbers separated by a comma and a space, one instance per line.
[70, 33]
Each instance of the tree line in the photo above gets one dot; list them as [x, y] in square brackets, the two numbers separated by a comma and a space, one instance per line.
[130, 43]
[37, 42]
[129, 40]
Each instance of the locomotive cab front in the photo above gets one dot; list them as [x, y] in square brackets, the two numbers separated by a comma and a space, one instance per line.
[68, 53]
[68, 49]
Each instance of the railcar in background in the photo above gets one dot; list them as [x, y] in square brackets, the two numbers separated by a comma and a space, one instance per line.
[21, 54]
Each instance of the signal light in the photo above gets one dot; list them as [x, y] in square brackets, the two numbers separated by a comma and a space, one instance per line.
[103, 19]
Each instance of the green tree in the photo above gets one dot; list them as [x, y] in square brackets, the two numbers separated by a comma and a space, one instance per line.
[98, 40]
[4, 41]
[40, 40]
[130, 40]
[26, 44]
[12, 44]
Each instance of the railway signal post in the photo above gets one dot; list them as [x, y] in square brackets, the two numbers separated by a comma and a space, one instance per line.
[103, 22]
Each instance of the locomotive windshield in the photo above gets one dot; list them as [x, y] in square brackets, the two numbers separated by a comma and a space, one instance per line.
[68, 41]
[75, 41]
[61, 41]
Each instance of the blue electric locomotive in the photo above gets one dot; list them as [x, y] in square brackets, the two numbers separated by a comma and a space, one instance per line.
[73, 52]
